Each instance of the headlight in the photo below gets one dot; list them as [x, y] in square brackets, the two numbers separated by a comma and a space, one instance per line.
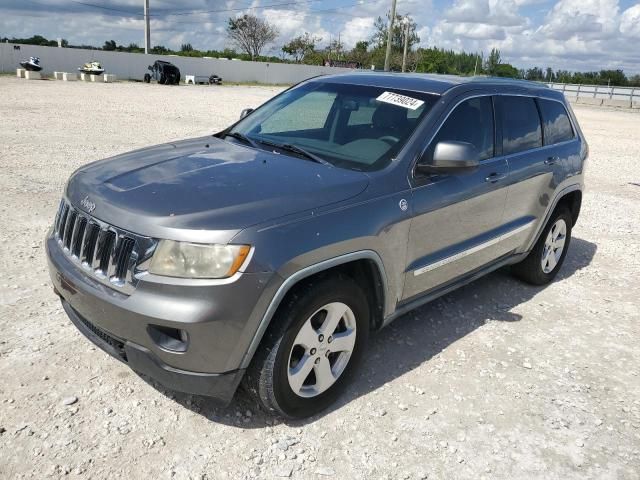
[196, 260]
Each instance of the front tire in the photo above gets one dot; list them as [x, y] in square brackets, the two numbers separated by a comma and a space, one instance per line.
[312, 347]
[547, 256]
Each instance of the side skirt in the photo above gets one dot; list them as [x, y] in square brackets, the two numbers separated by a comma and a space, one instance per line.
[415, 302]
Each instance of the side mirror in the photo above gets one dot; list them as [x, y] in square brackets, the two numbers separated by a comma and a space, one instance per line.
[245, 112]
[450, 157]
[150, 68]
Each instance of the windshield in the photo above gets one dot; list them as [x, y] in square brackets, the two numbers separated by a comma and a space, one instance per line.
[351, 126]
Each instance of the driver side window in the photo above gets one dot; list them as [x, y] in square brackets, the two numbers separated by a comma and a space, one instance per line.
[471, 122]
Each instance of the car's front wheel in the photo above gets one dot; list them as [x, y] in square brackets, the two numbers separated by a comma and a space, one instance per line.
[311, 348]
[545, 259]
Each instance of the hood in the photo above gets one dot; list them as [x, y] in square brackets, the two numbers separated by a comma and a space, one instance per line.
[206, 184]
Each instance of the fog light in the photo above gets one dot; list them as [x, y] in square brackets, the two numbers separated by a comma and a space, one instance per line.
[172, 339]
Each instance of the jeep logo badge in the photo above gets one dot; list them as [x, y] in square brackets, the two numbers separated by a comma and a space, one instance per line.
[88, 205]
[403, 205]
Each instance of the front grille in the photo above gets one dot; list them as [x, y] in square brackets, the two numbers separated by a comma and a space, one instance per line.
[109, 254]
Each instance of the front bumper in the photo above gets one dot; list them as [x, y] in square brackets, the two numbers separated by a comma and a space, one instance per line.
[220, 386]
[218, 320]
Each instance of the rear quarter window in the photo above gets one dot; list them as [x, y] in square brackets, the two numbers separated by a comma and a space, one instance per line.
[555, 122]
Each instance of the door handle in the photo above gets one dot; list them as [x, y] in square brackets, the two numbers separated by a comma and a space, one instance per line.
[494, 177]
[551, 160]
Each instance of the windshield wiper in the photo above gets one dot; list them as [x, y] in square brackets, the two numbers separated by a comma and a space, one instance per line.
[295, 149]
[242, 137]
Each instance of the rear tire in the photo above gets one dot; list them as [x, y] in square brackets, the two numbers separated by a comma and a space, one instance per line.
[295, 373]
[547, 256]
[147, 78]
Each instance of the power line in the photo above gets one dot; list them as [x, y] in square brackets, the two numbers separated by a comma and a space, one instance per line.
[104, 8]
[238, 9]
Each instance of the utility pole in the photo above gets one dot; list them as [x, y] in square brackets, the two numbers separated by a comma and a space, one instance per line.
[475, 68]
[389, 35]
[406, 22]
[147, 29]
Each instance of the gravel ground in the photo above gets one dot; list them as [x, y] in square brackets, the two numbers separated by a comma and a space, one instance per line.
[497, 380]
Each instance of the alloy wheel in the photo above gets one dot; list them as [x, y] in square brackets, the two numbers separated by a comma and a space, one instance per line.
[321, 350]
[554, 246]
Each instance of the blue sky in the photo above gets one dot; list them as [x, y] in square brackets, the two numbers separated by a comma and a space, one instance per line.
[569, 34]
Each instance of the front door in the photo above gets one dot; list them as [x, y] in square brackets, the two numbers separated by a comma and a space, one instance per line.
[458, 218]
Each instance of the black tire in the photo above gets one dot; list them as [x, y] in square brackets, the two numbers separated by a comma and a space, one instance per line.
[267, 377]
[147, 78]
[162, 80]
[530, 269]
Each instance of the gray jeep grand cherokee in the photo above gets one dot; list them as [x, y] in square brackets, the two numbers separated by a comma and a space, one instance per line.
[269, 251]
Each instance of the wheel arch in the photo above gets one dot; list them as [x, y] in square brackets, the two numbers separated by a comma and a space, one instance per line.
[571, 197]
[364, 266]
[573, 201]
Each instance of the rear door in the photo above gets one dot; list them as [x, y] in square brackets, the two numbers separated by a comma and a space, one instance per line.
[458, 217]
[537, 142]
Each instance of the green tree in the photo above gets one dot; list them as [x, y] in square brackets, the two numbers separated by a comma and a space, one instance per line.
[109, 45]
[251, 34]
[186, 47]
[160, 50]
[301, 46]
[379, 37]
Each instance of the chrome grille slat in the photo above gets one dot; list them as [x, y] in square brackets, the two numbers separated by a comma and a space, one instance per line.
[62, 221]
[89, 247]
[108, 254]
[68, 229]
[105, 251]
[78, 235]
[124, 254]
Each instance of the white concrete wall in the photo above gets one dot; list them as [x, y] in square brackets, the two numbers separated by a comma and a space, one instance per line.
[134, 65]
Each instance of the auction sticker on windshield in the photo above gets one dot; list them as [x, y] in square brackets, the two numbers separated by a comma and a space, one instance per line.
[400, 100]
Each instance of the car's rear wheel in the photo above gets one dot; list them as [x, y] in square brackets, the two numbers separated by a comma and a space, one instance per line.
[547, 256]
[147, 78]
[315, 342]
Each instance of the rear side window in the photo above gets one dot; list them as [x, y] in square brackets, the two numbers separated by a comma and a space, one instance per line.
[555, 121]
[471, 122]
[520, 124]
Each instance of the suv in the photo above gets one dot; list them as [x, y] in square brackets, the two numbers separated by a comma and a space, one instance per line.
[268, 252]
[165, 73]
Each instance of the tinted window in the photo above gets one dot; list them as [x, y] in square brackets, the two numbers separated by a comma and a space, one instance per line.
[555, 120]
[472, 122]
[520, 124]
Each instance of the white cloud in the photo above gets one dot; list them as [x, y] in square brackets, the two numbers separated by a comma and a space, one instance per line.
[630, 22]
[492, 12]
[357, 29]
[586, 19]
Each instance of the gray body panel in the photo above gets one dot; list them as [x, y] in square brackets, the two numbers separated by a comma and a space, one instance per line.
[302, 217]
